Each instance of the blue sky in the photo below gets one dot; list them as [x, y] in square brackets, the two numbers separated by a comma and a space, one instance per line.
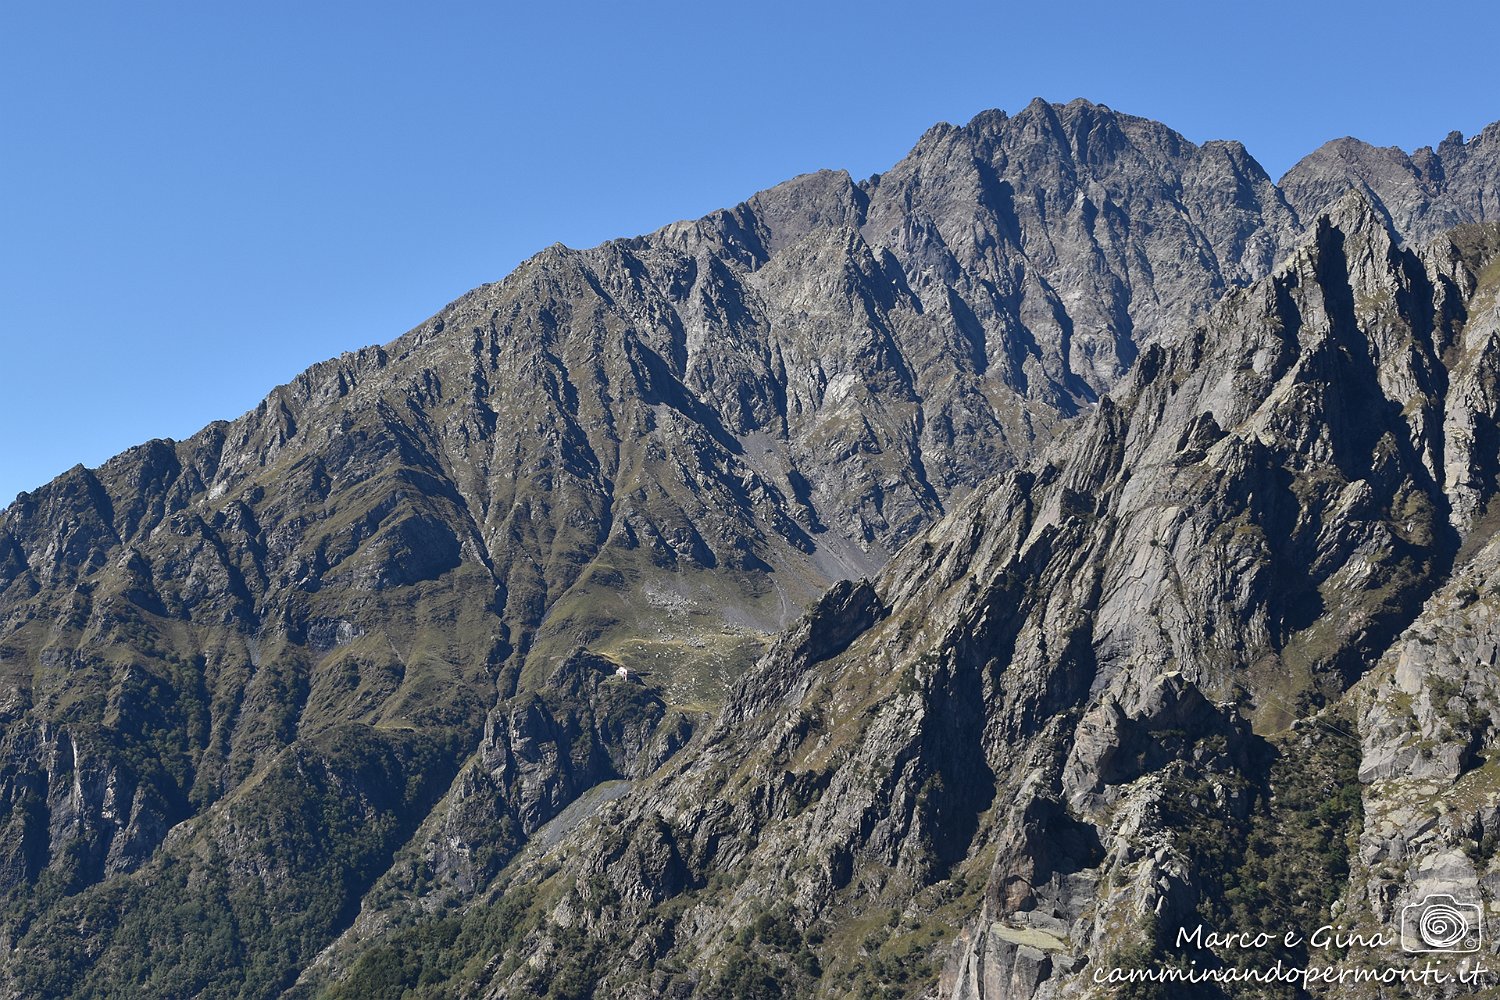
[198, 200]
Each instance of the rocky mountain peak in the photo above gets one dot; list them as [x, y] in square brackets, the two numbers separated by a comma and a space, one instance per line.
[1424, 193]
[1060, 710]
[1143, 460]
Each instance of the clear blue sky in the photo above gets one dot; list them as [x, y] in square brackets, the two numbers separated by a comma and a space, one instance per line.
[198, 200]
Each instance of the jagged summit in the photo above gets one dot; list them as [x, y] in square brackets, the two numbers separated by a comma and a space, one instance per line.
[1423, 193]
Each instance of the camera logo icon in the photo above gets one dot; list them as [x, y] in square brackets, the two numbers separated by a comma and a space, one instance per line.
[1440, 923]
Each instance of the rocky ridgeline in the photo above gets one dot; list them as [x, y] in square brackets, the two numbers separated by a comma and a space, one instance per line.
[1061, 719]
[276, 699]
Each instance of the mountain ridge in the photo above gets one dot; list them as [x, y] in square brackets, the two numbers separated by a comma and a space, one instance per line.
[844, 822]
[647, 455]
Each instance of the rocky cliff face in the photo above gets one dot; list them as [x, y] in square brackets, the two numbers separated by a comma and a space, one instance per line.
[1421, 194]
[276, 698]
[1092, 702]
